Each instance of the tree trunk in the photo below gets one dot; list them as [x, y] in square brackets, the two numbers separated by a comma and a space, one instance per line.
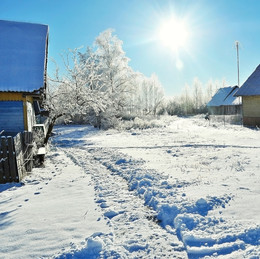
[48, 135]
[52, 123]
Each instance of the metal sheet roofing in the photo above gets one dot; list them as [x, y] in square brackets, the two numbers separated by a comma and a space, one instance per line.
[231, 99]
[23, 51]
[225, 96]
[251, 85]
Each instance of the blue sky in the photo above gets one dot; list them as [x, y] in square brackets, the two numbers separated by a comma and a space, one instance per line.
[209, 51]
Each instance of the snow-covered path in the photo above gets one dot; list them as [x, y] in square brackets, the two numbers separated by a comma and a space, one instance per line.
[185, 190]
[201, 181]
[134, 230]
[52, 211]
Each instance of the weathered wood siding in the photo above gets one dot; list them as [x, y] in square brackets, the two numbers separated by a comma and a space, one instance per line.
[251, 110]
[224, 110]
[16, 157]
[18, 145]
[11, 96]
[11, 116]
[8, 166]
[30, 116]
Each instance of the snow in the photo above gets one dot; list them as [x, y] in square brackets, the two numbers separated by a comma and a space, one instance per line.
[231, 99]
[225, 96]
[186, 190]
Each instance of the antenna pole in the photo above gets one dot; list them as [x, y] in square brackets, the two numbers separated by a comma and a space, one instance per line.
[237, 47]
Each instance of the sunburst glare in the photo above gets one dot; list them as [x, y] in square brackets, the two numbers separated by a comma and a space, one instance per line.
[174, 33]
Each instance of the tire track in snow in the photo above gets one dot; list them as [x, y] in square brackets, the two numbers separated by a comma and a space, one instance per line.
[190, 220]
[190, 145]
[203, 235]
[134, 233]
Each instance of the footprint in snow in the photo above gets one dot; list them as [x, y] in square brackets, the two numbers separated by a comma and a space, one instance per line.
[110, 214]
[101, 201]
[104, 205]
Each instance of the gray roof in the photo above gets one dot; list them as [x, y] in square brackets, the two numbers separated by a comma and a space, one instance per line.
[23, 56]
[251, 85]
[225, 96]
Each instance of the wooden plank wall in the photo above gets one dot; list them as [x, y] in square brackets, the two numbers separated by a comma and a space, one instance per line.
[8, 167]
[27, 150]
[18, 144]
[16, 157]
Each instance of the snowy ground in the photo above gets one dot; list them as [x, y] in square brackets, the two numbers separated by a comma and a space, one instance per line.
[187, 190]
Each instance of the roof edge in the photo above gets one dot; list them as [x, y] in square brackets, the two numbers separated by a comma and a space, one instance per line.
[32, 23]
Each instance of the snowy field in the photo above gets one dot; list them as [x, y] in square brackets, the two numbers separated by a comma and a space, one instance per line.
[186, 190]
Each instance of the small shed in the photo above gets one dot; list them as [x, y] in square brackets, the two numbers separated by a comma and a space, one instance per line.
[224, 102]
[250, 93]
[23, 71]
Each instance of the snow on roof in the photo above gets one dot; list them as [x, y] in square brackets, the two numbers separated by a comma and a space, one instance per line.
[225, 96]
[23, 51]
[231, 99]
[251, 85]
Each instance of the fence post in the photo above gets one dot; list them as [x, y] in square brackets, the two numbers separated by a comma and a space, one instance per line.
[12, 161]
[28, 141]
[6, 175]
[1, 166]
[18, 145]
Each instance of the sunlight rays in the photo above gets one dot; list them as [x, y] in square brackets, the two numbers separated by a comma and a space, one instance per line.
[173, 33]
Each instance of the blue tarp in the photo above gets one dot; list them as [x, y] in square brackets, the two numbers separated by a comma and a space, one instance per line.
[23, 48]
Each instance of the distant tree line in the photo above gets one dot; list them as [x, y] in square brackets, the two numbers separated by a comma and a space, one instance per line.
[192, 100]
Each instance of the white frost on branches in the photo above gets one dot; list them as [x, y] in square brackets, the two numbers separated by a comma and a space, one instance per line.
[99, 85]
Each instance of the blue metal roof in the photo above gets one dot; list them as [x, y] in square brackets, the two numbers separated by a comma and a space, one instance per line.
[252, 84]
[23, 56]
[225, 96]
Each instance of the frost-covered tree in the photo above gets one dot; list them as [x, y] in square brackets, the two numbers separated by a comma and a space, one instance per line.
[116, 75]
[76, 91]
[148, 95]
[156, 94]
[197, 95]
[99, 85]
[173, 106]
[186, 101]
[209, 90]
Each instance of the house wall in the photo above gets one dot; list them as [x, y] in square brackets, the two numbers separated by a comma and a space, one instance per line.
[232, 109]
[251, 110]
[224, 110]
[215, 110]
[11, 116]
[15, 112]
[31, 120]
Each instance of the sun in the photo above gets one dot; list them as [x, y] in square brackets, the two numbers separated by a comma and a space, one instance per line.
[173, 33]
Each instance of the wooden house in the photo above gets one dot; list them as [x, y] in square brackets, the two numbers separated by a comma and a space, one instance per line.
[250, 93]
[224, 102]
[23, 70]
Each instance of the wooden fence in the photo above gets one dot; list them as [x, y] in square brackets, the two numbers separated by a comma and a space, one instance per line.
[16, 157]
